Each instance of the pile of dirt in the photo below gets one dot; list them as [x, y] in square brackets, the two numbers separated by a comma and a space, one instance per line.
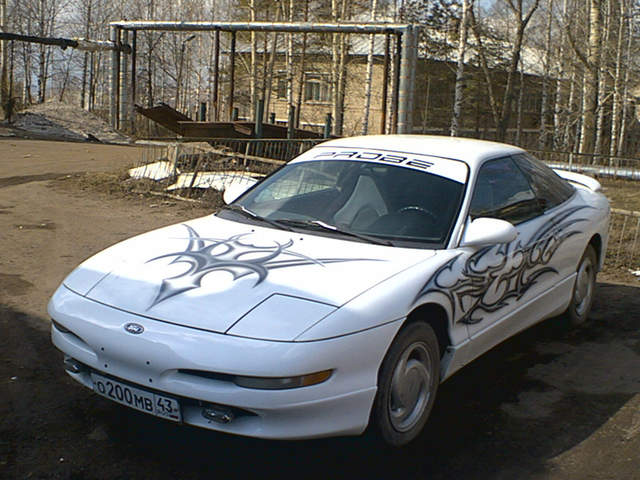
[61, 121]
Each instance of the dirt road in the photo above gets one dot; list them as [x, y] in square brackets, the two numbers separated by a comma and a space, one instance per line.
[548, 404]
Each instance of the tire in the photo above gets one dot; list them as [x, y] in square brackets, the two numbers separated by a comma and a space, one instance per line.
[584, 288]
[407, 384]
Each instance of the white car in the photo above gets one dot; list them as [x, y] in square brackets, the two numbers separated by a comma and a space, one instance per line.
[338, 292]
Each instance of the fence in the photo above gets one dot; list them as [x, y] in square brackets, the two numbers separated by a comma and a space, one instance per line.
[624, 241]
[191, 167]
[598, 165]
[196, 168]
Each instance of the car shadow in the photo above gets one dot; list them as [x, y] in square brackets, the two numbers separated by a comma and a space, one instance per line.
[505, 415]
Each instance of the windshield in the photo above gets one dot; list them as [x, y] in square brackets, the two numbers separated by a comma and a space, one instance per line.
[402, 206]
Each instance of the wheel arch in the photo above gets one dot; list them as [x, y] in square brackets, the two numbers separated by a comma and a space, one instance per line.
[596, 243]
[436, 316]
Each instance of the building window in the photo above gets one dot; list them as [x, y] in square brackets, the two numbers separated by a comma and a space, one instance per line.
[317, 87]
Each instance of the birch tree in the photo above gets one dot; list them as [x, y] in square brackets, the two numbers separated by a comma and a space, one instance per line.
[521, 17]
[590, 86]
[467, 5]
[369, 74]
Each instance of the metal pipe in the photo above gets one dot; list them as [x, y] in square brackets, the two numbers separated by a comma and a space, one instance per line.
[407, 79]
[290, 121]
[259, 117]
[216, 76]
[327, 126]
[115, 58]
[232, 71]
[293, 27]
[396, 83]
[385, 84]
[134, 42]
[124, 85]
[64, 43]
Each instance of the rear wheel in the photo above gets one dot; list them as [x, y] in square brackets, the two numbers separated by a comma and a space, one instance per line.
[584, 288]
[407, 384]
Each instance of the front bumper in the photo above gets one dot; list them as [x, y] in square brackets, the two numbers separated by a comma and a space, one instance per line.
[152, 360]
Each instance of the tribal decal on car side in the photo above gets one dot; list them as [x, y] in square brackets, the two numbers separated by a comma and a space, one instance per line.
[233, 255]
[493, 275]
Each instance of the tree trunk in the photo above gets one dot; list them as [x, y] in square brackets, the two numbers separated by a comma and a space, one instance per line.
[459, 88]
[268, 80]
[290, 105]
[617, 80]
[485, 68]
[518, 139]
[334, 66]
[558, 113]
[342, 77]
[625, 99]
[369, 74]
[590, 89]
[602, 80]
[254, 61]
[542, 139]
[85, 58]
[507, 102]
[303, 56]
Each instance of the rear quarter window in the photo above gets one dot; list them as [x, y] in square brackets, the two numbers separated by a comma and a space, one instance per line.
[549, 188]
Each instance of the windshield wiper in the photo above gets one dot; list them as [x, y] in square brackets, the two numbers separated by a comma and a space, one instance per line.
[318, 225]
[254, 216]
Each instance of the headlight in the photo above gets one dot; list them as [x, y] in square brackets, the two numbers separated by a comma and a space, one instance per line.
[282, 383]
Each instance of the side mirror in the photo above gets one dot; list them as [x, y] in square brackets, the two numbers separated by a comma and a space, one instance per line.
[235, 189]
[488, 231]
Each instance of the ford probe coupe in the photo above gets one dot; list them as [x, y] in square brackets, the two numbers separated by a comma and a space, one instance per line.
[337, 293]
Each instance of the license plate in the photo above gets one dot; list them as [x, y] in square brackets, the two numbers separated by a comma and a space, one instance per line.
[133, 397]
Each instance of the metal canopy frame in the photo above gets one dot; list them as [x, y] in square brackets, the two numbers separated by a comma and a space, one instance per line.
[405, 71]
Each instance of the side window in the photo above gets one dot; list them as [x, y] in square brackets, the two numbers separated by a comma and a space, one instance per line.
[550, 189]
[502, 191]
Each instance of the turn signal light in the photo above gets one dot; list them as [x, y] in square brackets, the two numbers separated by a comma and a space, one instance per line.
[282, 383]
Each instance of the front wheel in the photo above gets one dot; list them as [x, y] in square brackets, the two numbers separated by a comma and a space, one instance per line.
[407, 384]
[584, 288]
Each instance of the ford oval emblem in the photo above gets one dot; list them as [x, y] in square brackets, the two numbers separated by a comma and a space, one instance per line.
[134, 328]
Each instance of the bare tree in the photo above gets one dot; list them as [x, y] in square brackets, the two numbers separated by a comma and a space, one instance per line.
[590, 86]
[369, 74]
[467, 5]
[521, 18]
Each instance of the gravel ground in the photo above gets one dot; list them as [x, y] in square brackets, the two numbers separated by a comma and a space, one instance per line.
[550, 403]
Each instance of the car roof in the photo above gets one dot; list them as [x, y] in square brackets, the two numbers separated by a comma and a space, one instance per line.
[468, 150]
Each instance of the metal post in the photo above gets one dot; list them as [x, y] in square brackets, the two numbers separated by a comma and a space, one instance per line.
[202, 114]
[259, 116]
[4, 56]
[232, 71]
[216, 76]
[114, 36]
[291, 119]
[124, 83]
[134, 44]
[407, 79]
[327, 126]
[385, 84]
[396, 84]
[10, 103]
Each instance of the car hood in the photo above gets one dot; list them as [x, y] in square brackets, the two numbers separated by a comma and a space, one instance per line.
[230, 277]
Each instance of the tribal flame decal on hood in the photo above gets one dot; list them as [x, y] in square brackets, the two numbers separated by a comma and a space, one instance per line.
[530, 262]
[232, 255]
